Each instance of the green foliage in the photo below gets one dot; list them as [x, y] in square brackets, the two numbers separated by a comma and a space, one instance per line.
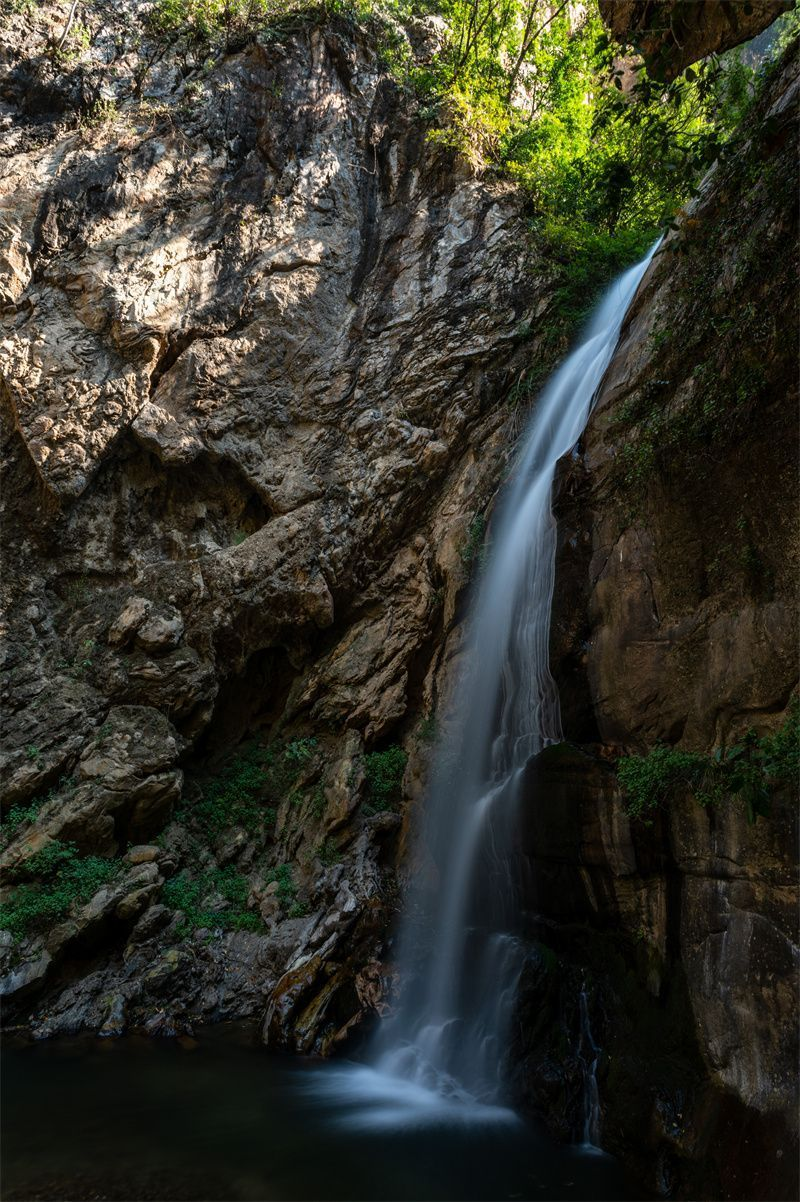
[235, 797]
[648, 781]
[788, 28]
[101, 112]
[207, 24]
[328, 853]
[78, 40]
[197, 898]
[528, 89]
[750, 770]
[540, 95]
[586, 260]
[19, 815]
[300, 751]
[57, 878]
[248, 789]
[287, 891]
[427, 729]
[384, 774]
[473, 551]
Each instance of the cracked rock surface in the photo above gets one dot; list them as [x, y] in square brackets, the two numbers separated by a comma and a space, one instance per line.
[257, 335]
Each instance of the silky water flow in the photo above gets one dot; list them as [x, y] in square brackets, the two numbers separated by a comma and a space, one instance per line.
[459, 948]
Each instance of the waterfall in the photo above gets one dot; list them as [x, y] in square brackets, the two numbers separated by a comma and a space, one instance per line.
[588, 1054]
[459, 949]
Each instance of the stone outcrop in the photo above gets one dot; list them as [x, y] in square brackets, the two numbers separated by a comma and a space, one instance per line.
[682, 933]
[672, 34]
[256, 335]
[675, 622]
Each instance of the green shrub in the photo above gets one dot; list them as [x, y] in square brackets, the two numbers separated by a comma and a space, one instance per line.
[19, 816]
[235, 797]
[191, 896]
[750, 770]
[287, 890]
[247, 790]
[61, 878]
[473, 551]
[648, 781]
[586, 260]
[427, 729]
[328, 853]
[384, 774]
[205, 23]
[299, 751]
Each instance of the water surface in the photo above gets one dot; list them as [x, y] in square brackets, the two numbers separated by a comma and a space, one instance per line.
[221, 1118]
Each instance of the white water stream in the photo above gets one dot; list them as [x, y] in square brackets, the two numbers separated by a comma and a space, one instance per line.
[443, 1050]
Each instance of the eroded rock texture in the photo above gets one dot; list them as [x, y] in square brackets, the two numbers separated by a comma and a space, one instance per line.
[256, 337]
[671, 34]
[675, 622]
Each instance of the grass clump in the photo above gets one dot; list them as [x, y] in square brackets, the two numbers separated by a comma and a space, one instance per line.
[473, 551]
[248, 789]
[328, 853]
[196, 897]
[20, 816]
[58, 878]
[384, 775]
[751, 770]
[235, 797]
[287, 891]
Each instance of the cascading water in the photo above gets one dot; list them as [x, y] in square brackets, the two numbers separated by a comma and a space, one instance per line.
[441, 1053]
[449, 1031]
[588, 1054]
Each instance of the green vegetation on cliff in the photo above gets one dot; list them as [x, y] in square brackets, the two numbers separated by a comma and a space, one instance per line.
[247, 790]
[58, 877]
[751, 770]
[384, 775]
[535, 91]
[214, 899]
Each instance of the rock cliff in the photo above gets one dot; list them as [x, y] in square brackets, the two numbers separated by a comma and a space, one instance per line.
[257, 333]
[672, 34]
[675, 623]
[258, 339]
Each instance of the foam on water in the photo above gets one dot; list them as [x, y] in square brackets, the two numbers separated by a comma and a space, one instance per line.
[358, 1096]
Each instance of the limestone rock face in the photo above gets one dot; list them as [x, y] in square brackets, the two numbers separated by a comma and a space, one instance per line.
[691, 616]
[671, 34]
[705, 902]
[257, 333]
[675, 622]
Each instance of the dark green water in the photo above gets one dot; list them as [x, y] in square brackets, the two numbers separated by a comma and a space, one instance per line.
[220, 1118]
